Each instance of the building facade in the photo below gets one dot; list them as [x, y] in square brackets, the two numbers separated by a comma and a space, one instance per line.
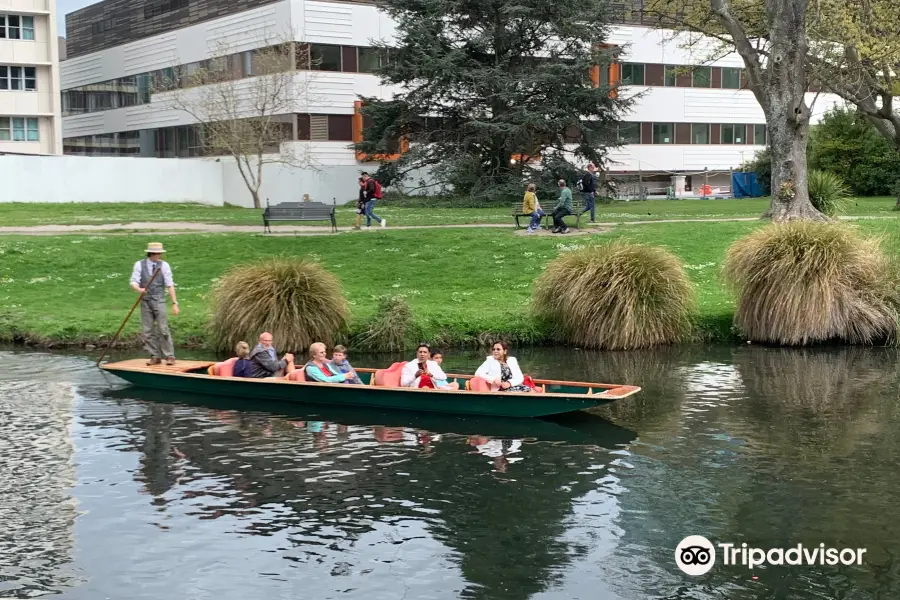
[694, 122]
[29, 78]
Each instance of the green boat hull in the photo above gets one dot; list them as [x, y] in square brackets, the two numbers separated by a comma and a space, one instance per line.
[462, 402]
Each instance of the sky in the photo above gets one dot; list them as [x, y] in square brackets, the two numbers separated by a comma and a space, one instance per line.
[66, 6]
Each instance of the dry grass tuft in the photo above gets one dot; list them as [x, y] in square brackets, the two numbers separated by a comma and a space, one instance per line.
[295, 299]
[800, 282]
[616, 296]
[393, 329]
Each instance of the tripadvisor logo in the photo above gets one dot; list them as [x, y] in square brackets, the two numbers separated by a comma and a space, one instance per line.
[696, 555]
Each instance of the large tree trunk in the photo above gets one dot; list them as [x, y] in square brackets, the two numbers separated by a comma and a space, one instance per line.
[788, 138]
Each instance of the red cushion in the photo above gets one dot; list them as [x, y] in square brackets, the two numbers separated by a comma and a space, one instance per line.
[389, 377]
[298, 375]
[226, 369]
[477, 384]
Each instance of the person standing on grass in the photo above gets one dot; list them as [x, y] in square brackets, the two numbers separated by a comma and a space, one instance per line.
[563, 208]
[360, 203]
[154, 320]
[589, 189]
[373, 193]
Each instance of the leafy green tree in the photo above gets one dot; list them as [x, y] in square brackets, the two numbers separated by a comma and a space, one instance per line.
[486, 86]
[847, 144]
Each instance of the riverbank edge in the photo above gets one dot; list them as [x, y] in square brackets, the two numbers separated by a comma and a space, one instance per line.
[706, 329]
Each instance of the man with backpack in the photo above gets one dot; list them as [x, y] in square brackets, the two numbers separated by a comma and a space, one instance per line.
[587, 185]
[373, 193]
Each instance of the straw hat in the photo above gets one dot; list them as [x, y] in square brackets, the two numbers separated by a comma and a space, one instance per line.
[155, 248]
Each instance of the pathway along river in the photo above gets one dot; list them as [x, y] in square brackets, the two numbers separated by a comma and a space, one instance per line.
[111, 492]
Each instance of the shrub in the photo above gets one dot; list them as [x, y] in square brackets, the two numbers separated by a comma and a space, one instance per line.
[616, 296]
[761, 164]
[828, 192]
[393, 329]
[803, 282]
[295, 299]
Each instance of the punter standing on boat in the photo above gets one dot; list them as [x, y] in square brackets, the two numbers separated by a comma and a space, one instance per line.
[154, 320]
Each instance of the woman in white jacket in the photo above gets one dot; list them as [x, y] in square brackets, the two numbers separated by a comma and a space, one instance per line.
[502, 371]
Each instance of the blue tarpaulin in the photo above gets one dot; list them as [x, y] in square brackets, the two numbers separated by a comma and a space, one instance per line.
[745, 185]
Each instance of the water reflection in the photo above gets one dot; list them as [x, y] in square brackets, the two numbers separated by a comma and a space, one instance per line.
[182, 496]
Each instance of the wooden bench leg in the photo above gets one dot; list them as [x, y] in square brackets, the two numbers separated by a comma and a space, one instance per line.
[516, 217]
[333, 224]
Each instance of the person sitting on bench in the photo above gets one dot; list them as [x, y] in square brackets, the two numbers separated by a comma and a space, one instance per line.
[563, 208]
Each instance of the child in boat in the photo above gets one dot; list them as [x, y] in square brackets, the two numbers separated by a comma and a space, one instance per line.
[242, 366]
[340, 364]
[442, 384]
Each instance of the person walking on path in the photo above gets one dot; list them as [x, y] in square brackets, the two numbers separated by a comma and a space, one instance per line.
[154, 320]
[361, 203]
[589, 189]
[563, 208]
[373, 193]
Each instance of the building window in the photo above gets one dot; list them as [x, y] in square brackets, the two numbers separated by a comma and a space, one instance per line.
[629, 133]
[671, 76]
[759, 135]
[18, 78]
[102, 26]
[663, 133]
[633, 74]
[731, 78]
[369, 59]
[325, 58]
[154, 8]
[16, 27]
[699, 133]
[340, 128]
[733, 134]
[702, 77]
[19, 129]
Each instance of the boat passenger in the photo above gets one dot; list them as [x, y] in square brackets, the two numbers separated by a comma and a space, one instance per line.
[265, 359]
[502, 371]
[442, 384]
[242, 366]
[317, 369]
[340, 364]
[421, 372]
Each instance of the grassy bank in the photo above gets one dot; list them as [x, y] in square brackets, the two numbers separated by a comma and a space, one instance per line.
[23, 215]
[461, 284]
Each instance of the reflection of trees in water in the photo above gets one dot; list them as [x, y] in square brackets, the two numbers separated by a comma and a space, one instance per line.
[503, 520]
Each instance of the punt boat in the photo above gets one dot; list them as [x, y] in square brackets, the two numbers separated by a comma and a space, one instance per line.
[380, 390]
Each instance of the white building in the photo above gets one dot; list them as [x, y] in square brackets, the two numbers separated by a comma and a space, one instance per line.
[29, 78]
[684, 123]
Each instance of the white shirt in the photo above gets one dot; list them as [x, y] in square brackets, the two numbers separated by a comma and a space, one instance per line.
[408, 375]
[490, 371]
[166, 273]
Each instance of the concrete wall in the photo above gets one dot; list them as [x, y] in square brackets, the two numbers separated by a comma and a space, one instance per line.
[108, 179]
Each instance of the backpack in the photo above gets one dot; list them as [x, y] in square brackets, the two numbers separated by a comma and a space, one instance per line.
[377, 195]
[583, 182]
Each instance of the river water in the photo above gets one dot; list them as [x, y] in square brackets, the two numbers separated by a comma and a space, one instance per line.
[107, 491]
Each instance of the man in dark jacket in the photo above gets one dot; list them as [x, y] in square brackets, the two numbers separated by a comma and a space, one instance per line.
[265, 361]
[589, 189]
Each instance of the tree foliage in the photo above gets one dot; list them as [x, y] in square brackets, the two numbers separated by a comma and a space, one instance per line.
[492, 91]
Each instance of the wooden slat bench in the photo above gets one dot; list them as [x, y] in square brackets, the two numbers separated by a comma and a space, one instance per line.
[299, 211]
[577, 209]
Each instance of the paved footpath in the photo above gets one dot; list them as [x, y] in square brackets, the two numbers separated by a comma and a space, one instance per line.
[183, 227]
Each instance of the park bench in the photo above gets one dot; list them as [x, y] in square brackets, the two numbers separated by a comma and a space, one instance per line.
[298, 211]
[577, 209]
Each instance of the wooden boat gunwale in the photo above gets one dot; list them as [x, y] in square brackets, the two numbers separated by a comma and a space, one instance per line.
[183, 369]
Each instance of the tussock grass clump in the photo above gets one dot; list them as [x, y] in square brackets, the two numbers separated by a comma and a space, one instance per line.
[800, 282]
[828, 192]
[294, 299]
[393, 329]
[616, 296]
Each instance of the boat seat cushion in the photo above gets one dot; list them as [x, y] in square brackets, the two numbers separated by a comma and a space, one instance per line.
[226, 368]
[477, 384]
[389, 377]
[298, 375]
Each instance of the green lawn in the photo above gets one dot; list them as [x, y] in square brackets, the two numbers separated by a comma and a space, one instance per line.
[459, 282]
[22, 214]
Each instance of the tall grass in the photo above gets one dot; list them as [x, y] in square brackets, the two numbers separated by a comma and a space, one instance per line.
[616, 296]
[799, 283]
[393, 328]
[828, 192]
[294, 299]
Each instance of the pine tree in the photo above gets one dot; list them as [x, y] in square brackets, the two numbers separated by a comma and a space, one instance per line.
[487, 84]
